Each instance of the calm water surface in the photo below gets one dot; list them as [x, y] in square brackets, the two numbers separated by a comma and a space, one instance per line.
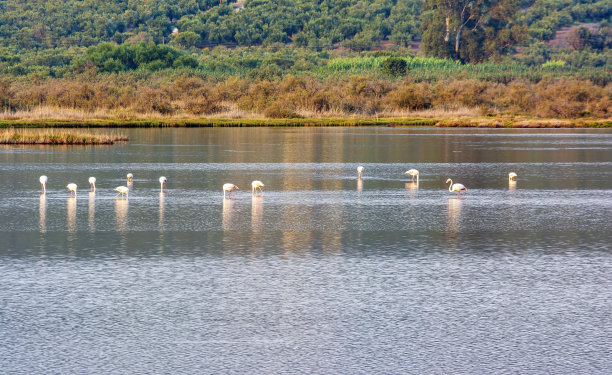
[323, 274]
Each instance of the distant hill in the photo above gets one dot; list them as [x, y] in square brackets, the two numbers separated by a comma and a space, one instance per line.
[317, 24]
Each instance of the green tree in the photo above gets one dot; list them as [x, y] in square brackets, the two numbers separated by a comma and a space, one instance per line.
[187, 39]
[470, 30]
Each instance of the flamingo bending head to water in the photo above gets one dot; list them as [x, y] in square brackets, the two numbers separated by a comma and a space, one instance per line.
[73, 188]
[413, 172]
[255, 185]
[92, 183]
[162, 181]
[123, 190]
[512, 176]
[359, 172]
[229, 188]
[130, 177]
[455, 187]
[43, 181]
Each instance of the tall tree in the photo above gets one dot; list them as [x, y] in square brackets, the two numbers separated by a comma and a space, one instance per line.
[470, 30]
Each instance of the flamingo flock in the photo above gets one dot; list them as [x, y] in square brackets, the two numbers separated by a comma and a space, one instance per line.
[256, 186]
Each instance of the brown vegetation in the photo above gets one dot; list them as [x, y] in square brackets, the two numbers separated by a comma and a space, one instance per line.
[120, 97]
[50, 137]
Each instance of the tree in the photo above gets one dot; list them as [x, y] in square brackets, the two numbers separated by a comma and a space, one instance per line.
[187, 39]
[470, 30]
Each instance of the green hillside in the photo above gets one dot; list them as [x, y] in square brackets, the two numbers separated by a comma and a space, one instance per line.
[357, 25]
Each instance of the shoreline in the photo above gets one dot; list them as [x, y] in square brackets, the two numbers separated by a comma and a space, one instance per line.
[461, 122]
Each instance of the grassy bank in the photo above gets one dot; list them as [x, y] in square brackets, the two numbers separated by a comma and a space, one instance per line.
[50, 137]
[79, 138]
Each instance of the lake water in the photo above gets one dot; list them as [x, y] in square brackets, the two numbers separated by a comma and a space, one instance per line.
[324, 273]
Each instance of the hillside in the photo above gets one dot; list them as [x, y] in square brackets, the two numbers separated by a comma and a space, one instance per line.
[354, 24]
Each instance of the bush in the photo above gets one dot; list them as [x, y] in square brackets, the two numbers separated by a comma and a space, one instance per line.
[413, 97]
[279, 110]
[394, 66]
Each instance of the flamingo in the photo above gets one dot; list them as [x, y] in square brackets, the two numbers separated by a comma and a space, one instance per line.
[359, 172]
[73, 188]
[130, 177]
[162, 181]
[92, 183]
[229, 188]
[413, 172]
[512, 176]
[256, 185]
[455, 187]
[43, 181]
[123, 190]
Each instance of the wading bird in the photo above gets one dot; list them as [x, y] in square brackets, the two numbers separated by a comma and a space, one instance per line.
[73, 188]
[229, 188]
[413, 172]
[256, 185]
[92, 183]
[43, 181]
[130, 177]
[359, 171]
[123, 190]
[512, 176]
[455, 187]
[162, 181]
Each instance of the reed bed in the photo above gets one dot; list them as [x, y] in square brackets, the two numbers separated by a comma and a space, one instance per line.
[51, 137]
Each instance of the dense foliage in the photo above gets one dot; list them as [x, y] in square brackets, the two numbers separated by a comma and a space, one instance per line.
[318, 24]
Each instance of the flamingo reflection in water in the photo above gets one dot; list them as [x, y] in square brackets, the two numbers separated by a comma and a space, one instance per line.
[43, 181]
[256, 212]
[121, 213]
[71, 215]
[42, 212]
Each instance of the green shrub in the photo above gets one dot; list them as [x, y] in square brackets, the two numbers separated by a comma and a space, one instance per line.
[394, 66]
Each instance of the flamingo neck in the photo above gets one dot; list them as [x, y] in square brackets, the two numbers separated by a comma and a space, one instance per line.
[450, 187]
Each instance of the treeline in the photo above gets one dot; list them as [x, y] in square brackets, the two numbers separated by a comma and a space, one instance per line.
[132, 95]
[354, 24]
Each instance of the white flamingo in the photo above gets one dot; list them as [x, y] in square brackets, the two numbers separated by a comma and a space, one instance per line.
[256, 185]
[43, 181]
[359, 172]
[162, 181]
[123, 190]
[130, 177]
[73, 188]
[512, 176]
[229, 188]
[455, 187]
[92, 183]
[413, 172]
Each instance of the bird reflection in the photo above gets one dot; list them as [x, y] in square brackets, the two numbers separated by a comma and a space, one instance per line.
[71, 218]
[92, 209]
[162, 197]
[42, 212]
[412, 188]
[512, 185]
[228, 205]
[256, 212]
[121, 212]
[359, 185]
[453, 216]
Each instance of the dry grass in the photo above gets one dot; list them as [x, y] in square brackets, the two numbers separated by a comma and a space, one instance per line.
[53, 137]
